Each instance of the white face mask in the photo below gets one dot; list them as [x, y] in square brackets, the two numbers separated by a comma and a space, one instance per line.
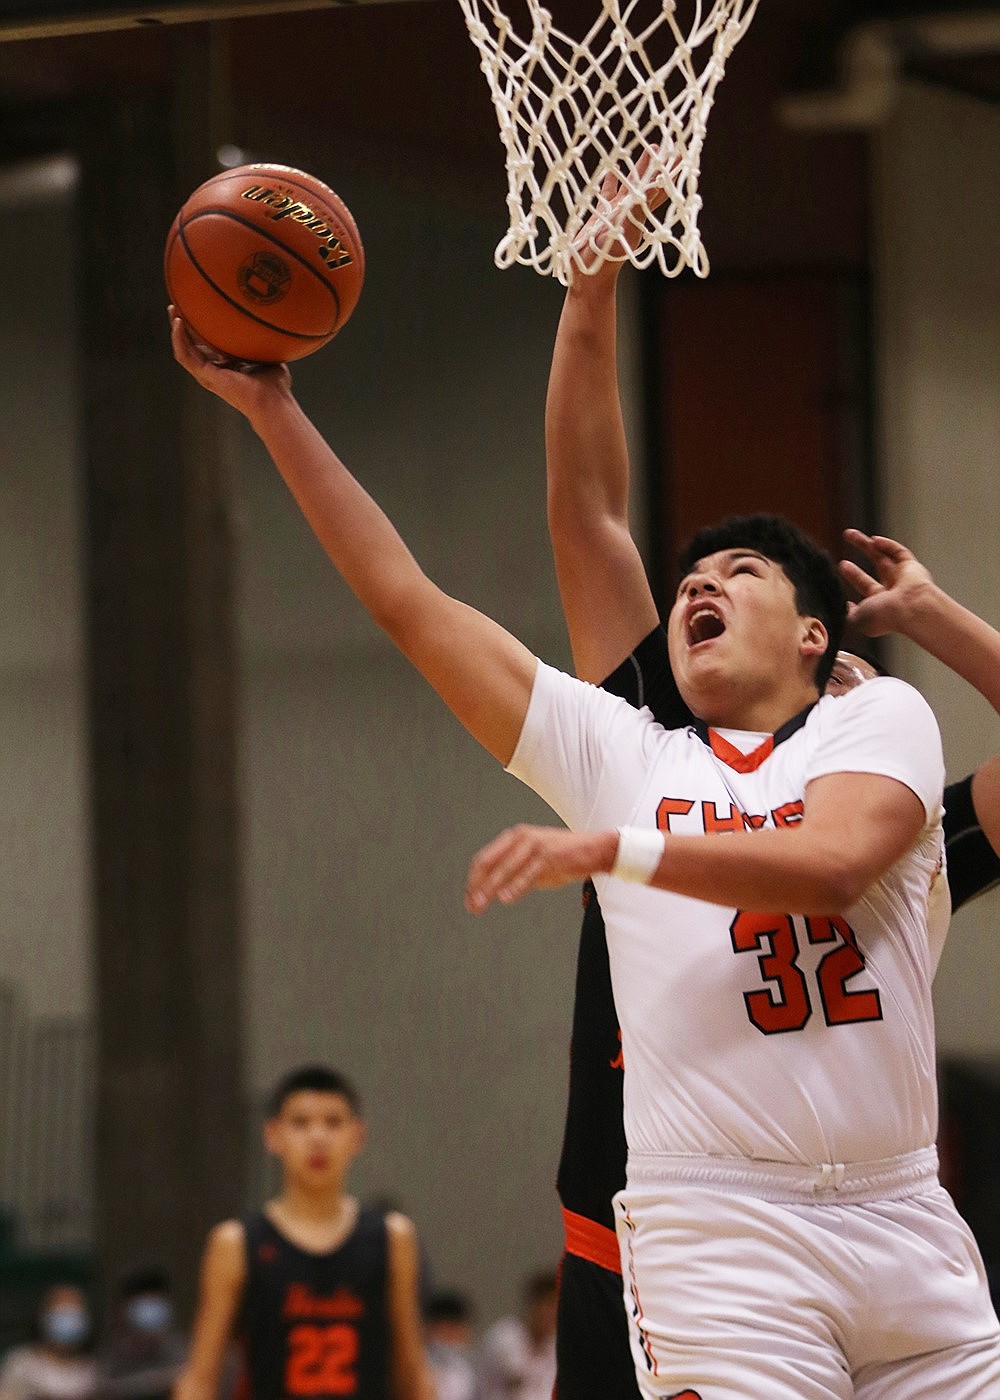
[149, 1312]
[65, 1325]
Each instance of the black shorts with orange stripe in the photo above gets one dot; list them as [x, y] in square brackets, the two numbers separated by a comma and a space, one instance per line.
[593, 1358]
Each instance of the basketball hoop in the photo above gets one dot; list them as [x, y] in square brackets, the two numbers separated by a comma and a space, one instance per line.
[575, 114]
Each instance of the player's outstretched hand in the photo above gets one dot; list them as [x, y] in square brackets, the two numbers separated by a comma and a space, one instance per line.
[244, 387]
[618, 225]
[887, 600]
[526, 858]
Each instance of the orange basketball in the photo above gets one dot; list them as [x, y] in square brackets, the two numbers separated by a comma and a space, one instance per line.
[264, 263]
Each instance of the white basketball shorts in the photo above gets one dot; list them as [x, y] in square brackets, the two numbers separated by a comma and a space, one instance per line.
[748, 1281]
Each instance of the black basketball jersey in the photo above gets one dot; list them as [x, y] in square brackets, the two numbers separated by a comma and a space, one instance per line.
[592, 1164]
[973, 864]
[316, 1325]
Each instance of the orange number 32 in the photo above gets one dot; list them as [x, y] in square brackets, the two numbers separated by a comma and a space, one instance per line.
[787, 1005]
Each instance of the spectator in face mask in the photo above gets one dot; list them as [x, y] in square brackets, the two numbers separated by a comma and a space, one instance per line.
[146, 1351]
[448, 1336]
[57, 1365]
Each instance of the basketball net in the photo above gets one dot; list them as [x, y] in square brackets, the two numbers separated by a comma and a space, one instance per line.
[574, 115]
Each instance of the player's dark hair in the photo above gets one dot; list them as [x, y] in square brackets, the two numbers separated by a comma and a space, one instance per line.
[540, 1285]
[320, 1079]
[448, 1305]
[810, 570]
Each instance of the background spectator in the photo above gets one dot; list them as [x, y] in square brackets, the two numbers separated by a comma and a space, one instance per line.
[517, 1358]
[146, 1351]
[57, 1365]
[449, 1336]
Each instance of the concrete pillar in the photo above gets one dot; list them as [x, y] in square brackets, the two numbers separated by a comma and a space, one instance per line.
[162, 698]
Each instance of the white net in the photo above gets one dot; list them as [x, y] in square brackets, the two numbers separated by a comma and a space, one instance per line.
[623, 110]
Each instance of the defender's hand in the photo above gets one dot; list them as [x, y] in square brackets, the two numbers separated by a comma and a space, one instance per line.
[887, 601]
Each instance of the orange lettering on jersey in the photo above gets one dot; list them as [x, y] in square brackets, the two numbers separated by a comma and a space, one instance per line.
[788, 815]
[619, 1060]
[684, 1395]
[753, 823]
[713, 822]
[671, 807]
[300, 1301]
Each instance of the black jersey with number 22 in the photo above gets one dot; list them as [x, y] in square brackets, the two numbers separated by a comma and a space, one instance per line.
[316, 1324]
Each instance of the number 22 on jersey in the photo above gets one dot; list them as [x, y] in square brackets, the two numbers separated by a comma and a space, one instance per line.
[322, 1360]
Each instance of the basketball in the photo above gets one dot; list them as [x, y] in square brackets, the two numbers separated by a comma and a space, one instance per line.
[264, 263]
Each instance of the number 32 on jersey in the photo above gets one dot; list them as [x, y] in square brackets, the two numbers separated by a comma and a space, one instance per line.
[788, 1001]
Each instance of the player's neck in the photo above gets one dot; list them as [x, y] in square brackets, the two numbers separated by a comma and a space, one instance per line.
[760, 714]
[322, 1207]
[313, 1221]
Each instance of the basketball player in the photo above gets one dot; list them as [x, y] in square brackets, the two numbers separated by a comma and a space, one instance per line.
[320, 1293]
[588, 478]
[780, 1103]
[588, 495]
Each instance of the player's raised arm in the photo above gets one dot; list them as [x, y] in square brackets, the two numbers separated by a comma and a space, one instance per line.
[818, 867]
[480, 671]
[904, 598]
[223, 1274]
[605, 594]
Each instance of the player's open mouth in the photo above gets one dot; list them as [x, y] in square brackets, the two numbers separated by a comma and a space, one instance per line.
[703, 625]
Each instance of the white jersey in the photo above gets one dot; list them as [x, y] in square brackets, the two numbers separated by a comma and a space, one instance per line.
[769, 1036]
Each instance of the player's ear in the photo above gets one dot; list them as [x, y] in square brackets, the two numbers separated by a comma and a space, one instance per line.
[360, 1134]
[270, 1135]
[815, 639]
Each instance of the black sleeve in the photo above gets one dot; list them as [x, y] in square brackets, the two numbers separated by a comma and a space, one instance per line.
[645, 678]
[973, 864]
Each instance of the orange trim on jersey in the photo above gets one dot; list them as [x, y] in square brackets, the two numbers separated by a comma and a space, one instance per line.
[740, 762]
[588, 1240]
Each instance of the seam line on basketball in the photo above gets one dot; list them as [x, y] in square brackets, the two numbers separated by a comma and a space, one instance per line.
[239, 306]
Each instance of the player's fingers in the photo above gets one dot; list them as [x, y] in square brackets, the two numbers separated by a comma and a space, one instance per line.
[508, 869]
[857, 538]
[185, 349]
[520, 865]
[867, 545]
[481, 882]
[867, 619]
[858, 579]
[890, 549]
[610, 186]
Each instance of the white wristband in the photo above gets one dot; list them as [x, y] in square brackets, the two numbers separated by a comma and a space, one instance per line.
[640, 849]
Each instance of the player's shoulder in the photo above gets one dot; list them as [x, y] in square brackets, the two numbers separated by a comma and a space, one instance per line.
[884, 698]
[399, 1226]
[228, 1234]
[563, 690]
[225, 1255]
